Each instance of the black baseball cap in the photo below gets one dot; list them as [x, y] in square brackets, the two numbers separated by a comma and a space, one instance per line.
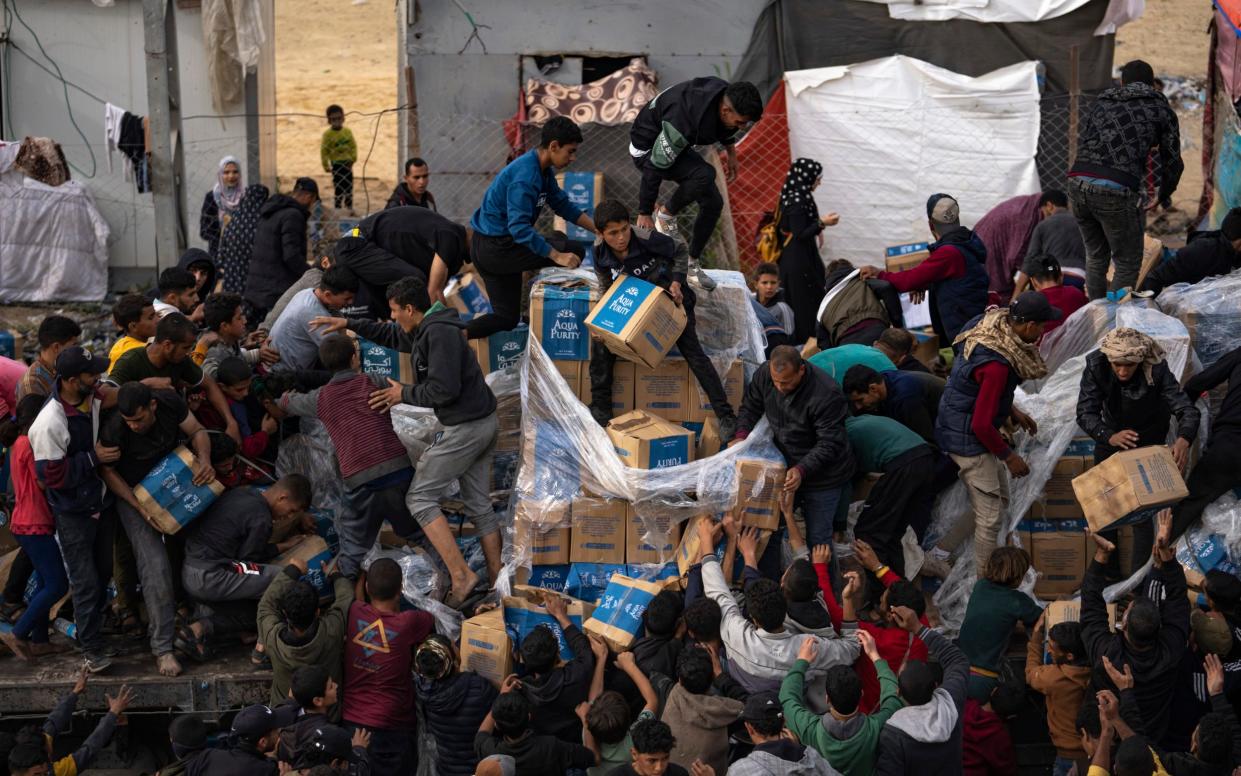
[1032, 306]
[763, 707]
[77, 360]
[307, 185]
[333, 741]
[258, 720]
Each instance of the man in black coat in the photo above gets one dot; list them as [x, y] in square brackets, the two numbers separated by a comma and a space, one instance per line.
[1208, 254]
[279, 255]
[1216, 472]
[807, 411]
[399, 242]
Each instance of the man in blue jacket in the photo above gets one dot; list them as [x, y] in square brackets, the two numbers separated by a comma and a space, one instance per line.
[505, 244]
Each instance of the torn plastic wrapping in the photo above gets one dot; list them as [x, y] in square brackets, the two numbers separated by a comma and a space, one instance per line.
[1080, 333]
[311, 453]
[1211, 310]
[565, 453]
[1054, 409]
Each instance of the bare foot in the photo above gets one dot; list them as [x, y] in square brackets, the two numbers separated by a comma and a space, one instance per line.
[18, 646]
[461, 589]
[168, 665]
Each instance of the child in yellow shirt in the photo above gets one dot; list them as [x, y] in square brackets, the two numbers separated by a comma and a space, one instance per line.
[135, 317]
[338, 152]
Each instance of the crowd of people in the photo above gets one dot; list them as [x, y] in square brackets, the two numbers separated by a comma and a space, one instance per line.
[821, 665]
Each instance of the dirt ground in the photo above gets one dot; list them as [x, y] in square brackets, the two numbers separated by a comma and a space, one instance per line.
[1172, 37]
[343, 52]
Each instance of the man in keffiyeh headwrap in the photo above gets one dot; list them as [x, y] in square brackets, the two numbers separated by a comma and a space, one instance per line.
[995, 352]
[1128, 397]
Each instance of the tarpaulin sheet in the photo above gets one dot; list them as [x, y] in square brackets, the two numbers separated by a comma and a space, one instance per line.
[803, 34]
[53, 242]
[919, 129]
[991, 11]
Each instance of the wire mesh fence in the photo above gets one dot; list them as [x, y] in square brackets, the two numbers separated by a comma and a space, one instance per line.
[465, 153]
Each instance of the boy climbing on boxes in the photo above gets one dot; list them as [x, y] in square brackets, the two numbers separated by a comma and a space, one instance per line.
[663, 261]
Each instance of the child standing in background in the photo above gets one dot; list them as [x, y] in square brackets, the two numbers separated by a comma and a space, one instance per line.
[338, 152]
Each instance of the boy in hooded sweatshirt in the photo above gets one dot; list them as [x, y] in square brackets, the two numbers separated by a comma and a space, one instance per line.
[761, 649]
[555, 688]
[774, 754]
[699, 720]
[1063, 684]
[925, 736]
[454, 704]
[657, 651]
[848, 738]
[986, 746]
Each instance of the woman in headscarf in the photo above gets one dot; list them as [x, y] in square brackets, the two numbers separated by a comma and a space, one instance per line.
[801, 268]
[1128, 398]
[237, 239]
[220, 203]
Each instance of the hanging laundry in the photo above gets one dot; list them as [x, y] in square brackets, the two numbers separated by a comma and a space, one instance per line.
[112, 116]
[41, 158]
[133, 145]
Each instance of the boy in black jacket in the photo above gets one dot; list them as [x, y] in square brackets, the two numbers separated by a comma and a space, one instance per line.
[554, 689]
[507, 731]
[658, 259]
[702, 111]
[449, 381]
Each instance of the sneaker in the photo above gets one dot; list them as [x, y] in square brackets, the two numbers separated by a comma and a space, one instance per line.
[97, 662]
[728, 429]
[700, 276]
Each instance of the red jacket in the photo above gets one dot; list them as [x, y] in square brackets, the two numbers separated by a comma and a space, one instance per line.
[895, 646]
[986, 748]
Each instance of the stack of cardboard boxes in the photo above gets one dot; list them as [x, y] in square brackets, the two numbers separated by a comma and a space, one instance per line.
[1054, 529]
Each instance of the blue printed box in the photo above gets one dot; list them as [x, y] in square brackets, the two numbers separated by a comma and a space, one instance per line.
[898, 258]
[584, 190]
[385, 362]
[618, 617]
[550, 577]
[637, 321]
[558, 320]
[467, 295]
[645, 441]
[314, 551]
[168, 496]
[587, 581]
[524, 611]
[500, 350]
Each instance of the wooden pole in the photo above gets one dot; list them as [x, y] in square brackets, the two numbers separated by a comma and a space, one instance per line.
[163, 184]
[413, 144]
[1075, 93]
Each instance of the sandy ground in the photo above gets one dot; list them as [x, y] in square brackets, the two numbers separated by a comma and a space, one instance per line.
[337, 51]
[1172, 37]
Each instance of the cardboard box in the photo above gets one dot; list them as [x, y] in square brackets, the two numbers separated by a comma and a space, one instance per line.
[598, 530]
[734, 388]
[1059, 552]
[618, 618]
[508, 413]
[584, 190]
[706, 437]
[12, 345]
[926, 347]
[168, 496]
[664, 390]
[644, 441]
[659, 546]
[898, 258]
[1068, 611]
[623, 377]
[689, 551]
[558, 319]
[637, 321]
[386, 363]
[314, 551]
[467, 295]
[546, 576]
[1058, 499]
[550, 465]
[759, 483]
[571, 373]
[486, 647]
[587, 581]
[503, 471]
[524, 611]
[1131, 480]
[543, 528]
[500, 350]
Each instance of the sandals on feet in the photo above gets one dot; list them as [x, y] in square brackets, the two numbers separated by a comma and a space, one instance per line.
[191, 646]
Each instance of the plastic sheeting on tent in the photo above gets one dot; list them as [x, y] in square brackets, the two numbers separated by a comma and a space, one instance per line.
[53, 242]
[1054, 408]
[1119, 12]
[1211, 310]
[871, 122]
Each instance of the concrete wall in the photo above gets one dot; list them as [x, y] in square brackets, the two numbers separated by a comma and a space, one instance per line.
[102, 50]
[462, 97]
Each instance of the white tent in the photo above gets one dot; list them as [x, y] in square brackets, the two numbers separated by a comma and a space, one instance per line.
[893, 131]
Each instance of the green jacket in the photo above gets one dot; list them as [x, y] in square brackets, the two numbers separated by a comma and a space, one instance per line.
[853, 756]
[325, 648]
